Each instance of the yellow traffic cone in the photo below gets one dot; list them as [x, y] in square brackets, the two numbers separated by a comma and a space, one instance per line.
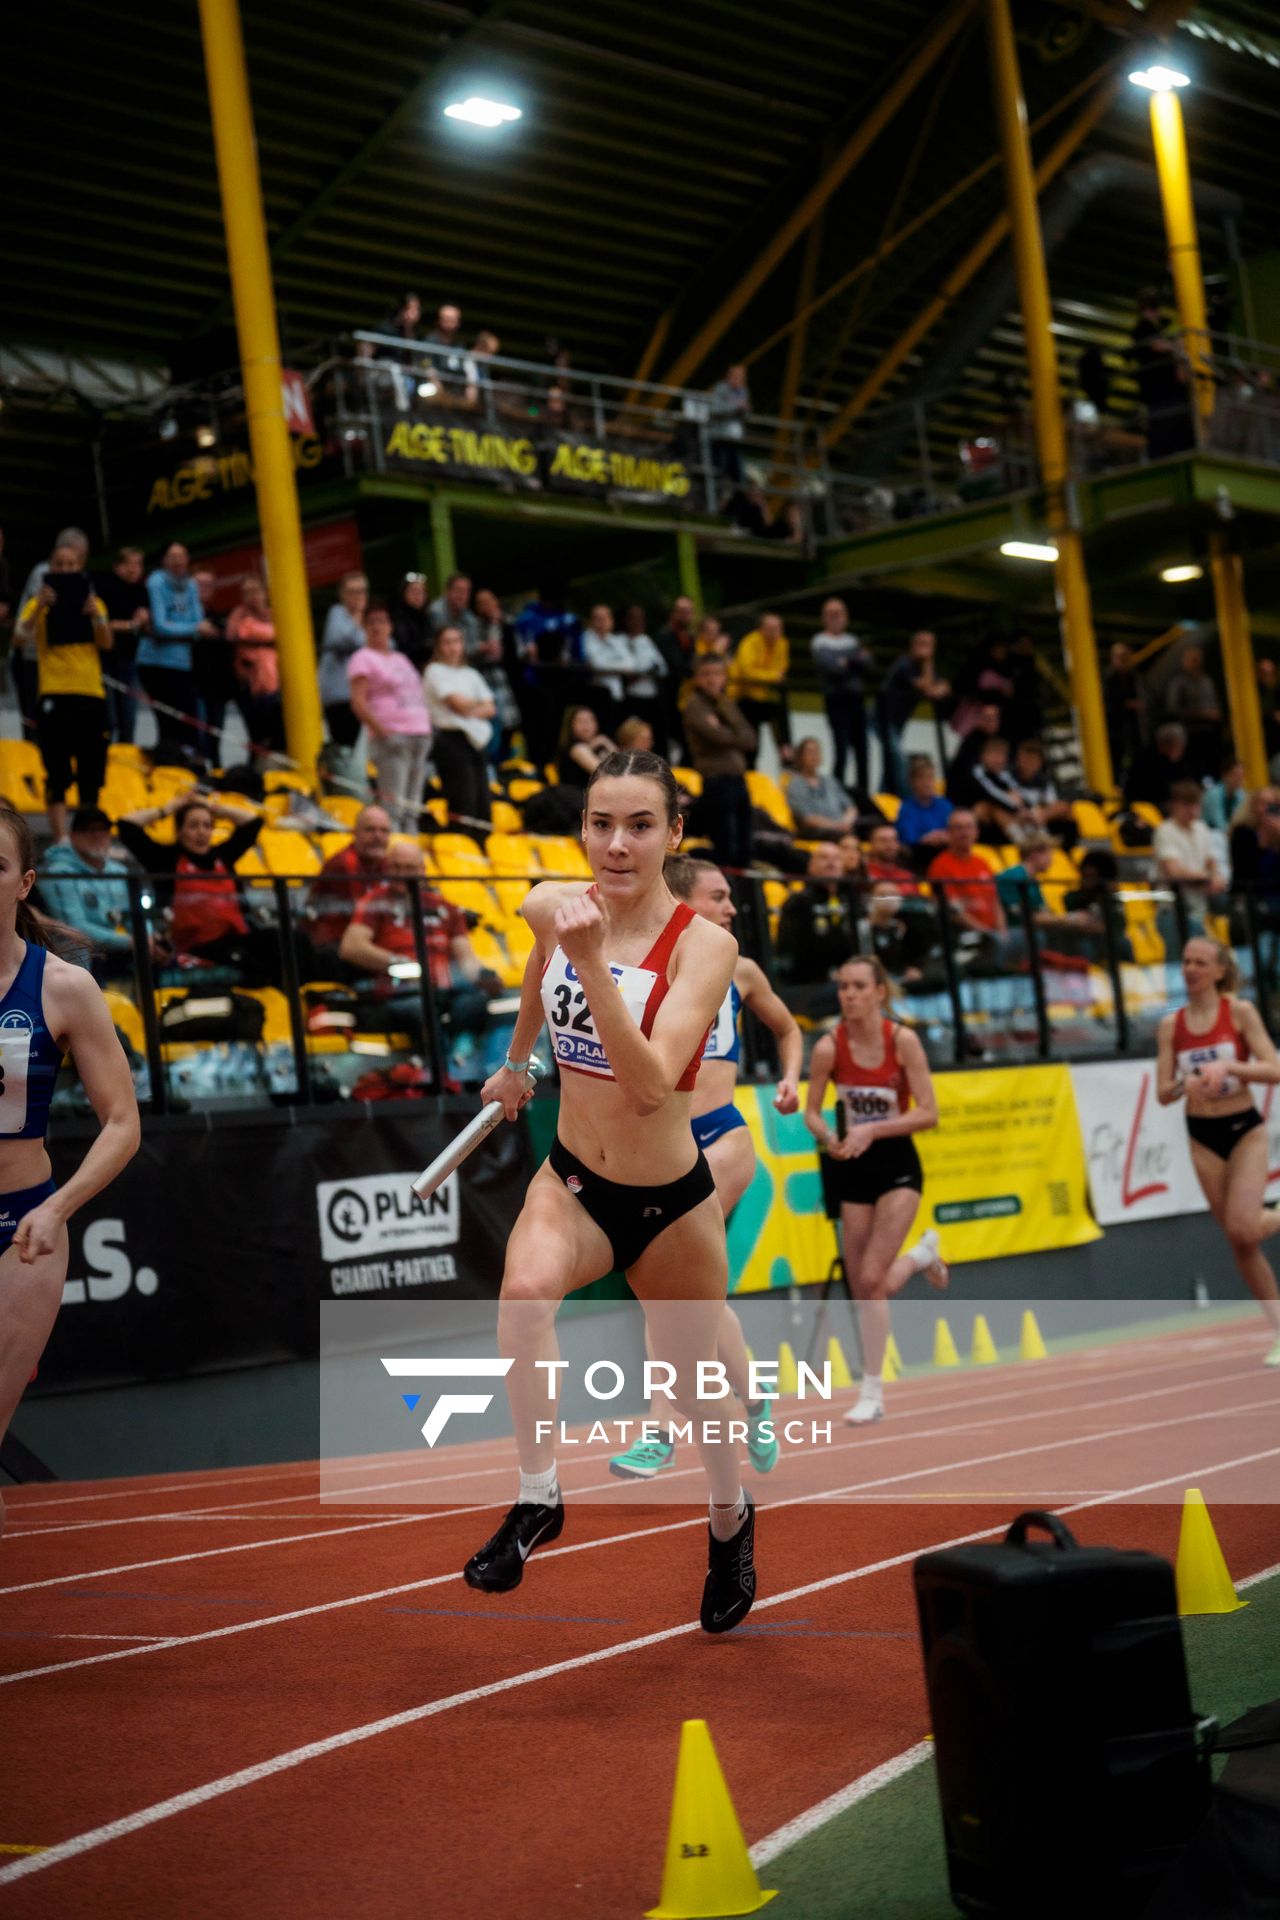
[1031, 1346]
[840, 1374]
[983, 1353]
[890, 1370]
[891, 1354]
[788, 1378]
[944, 1347]
[708, 1872]
[1204, 1584]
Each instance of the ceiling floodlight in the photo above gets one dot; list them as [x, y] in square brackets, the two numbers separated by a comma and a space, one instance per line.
[1027, 550]
[1158, 79]
[426, 388]
[1175, 575]
[479, 112]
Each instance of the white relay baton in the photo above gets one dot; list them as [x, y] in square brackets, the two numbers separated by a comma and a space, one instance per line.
[450, 1158]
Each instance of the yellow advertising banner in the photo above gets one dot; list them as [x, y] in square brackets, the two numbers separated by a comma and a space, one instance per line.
[1005, 1168]
[1004, 1174]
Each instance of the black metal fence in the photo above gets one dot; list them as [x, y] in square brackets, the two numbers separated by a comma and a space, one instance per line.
[987, 974]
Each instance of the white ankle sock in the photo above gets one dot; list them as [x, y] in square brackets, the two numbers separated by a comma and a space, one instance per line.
[925, 1251]
[539, 1489]
[873, 1388]
[726, 1520]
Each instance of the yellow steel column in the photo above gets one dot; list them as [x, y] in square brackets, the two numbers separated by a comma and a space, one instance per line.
[270, 442]
[1237, 660]
[1170, 140]
[1075, 614]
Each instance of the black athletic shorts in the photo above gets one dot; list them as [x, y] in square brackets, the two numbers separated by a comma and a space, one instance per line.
[884, 1166]
[1222, 1132]
[630, 1218]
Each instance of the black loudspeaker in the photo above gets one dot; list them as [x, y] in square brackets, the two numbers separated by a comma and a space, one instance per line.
[1070, 1764]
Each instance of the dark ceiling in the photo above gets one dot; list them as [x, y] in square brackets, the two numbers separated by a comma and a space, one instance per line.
[660, 148]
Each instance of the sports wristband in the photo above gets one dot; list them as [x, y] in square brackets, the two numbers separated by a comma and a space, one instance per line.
[516, 1066]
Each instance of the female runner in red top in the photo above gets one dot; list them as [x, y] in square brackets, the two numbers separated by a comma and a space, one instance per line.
[629, 980]
[1211, 1052]
[885, 1094]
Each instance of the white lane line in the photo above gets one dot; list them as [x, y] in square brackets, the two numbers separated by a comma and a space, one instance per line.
[209, 1553]
[442, 1579]
[144, 1817]
[212, 1479]
[806, 1823]
[235, 1508]
[836, 1803]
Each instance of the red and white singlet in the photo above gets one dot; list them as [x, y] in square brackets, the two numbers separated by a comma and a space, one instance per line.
[574, 1040]
[870, 1093]
[1223, 1041]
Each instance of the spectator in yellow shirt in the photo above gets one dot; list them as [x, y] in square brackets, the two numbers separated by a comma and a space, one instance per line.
[67, 625]
[758, 680]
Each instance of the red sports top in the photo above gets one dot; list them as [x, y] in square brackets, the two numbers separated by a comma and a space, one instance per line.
[870, 1093]
[574, 1040]
[1223, 1041]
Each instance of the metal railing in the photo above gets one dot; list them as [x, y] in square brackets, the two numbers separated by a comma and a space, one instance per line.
[281, 1020]
[386, 405]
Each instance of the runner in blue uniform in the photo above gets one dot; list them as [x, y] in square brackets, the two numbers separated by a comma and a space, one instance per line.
[721, 1132]
[48, 1008]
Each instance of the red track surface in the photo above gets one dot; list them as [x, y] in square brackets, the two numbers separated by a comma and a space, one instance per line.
[143, 1655]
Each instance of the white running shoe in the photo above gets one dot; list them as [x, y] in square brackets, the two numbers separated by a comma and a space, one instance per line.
[1273, 1357]
[863, 1412]
[927, 1259]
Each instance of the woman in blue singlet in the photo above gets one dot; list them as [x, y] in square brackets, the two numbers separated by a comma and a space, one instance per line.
[48, 1008]
[628, 980]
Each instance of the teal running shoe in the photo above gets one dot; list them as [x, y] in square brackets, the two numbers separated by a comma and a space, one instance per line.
[762, 1453]
[643, 1460]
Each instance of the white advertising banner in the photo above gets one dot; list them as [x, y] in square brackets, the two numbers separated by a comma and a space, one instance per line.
[1136, 1151]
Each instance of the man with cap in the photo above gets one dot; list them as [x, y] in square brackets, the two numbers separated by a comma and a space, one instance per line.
[83, 883]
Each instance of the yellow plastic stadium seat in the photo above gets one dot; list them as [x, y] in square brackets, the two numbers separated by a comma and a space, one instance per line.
[1146, 811]
[344, 807]
[520, 791]
[164, 782]
[124, 791]
[506, 818]
[473, 896]
[280, 780]
[991, 856]
[551, 774]
[518, 939]
[331, 843]
[491, 953]
[287, 852]
[514, 853]
[457, 853]
[439, 811]
[511, 896]
[689, 777]
[127, 1017]
[561, 856]
[123, 753]
[769, 797]
[889, 804]
[1091, 821]
[22, 775]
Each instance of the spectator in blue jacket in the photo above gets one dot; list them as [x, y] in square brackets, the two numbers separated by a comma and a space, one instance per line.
[166, 661]
[923, 815]
[549, 643]
[85, 885]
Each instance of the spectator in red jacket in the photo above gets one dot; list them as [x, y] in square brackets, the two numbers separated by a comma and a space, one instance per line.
[381, 936]
[343, 881]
